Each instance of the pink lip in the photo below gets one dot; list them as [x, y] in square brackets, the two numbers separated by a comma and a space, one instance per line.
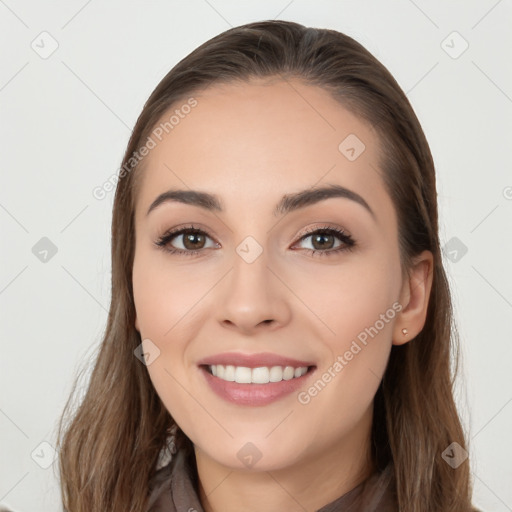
[253, 394]
[253, 360]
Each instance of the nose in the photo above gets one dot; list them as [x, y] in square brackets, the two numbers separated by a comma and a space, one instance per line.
[253, 297]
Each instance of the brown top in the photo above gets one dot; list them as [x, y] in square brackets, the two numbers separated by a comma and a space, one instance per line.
[173, 490]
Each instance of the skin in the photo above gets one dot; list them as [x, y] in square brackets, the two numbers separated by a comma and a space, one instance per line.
[251, 144]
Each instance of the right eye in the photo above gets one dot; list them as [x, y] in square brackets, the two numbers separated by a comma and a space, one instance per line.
[193, 241]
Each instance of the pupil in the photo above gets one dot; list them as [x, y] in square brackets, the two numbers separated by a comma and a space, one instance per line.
[190, 239]
[320, 237]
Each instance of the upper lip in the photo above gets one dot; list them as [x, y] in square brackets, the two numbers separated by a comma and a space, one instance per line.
[253, 360]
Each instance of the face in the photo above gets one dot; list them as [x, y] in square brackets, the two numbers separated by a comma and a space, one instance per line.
[262, 296]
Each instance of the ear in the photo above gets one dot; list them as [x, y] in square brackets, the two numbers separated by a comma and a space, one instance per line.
[414, 298]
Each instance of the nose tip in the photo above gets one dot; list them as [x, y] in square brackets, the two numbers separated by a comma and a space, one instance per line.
[253, 298]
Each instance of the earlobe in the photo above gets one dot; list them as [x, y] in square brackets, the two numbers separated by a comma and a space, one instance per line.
[415, 296]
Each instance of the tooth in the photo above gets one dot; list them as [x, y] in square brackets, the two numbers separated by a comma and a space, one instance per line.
[288, 373]
[242, 375]
[260, 375]
[229, 373]
[276, 374]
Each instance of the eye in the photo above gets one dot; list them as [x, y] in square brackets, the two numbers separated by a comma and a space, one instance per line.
[193, 241]
[323, 239]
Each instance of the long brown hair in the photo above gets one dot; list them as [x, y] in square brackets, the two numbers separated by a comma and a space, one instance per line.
[110, 443]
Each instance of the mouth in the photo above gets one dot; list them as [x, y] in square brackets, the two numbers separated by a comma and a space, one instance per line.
[258, 375]
[254, 380]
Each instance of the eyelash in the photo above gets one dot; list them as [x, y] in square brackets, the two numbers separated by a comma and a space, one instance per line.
[348, 241]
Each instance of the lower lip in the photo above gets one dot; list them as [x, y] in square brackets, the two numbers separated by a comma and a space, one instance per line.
[254, 394]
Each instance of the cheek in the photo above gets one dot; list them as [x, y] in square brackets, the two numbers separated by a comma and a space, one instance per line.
[163, 295]
[348, 379]
[351, 297]
[165, 298]
[360, 308]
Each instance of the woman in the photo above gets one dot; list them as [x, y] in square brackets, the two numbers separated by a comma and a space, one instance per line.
[280, 330]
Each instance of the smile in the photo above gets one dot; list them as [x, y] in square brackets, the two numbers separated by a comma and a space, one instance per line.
[261, 375]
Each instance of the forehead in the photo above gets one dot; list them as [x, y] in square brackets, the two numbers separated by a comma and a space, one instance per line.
[262, 139]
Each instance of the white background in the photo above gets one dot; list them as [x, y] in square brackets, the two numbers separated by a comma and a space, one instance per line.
[65, 122]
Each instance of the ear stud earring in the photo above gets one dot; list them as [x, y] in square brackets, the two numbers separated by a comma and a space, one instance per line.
[404, 331]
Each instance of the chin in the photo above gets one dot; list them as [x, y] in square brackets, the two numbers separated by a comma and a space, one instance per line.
[258, 454]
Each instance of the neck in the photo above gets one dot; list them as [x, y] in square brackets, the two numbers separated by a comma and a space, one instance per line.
[306, 486]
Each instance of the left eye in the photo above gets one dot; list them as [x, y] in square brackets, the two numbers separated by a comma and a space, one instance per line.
[319, 236]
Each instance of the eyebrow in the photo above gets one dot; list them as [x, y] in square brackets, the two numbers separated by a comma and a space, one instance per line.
[288, 203]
